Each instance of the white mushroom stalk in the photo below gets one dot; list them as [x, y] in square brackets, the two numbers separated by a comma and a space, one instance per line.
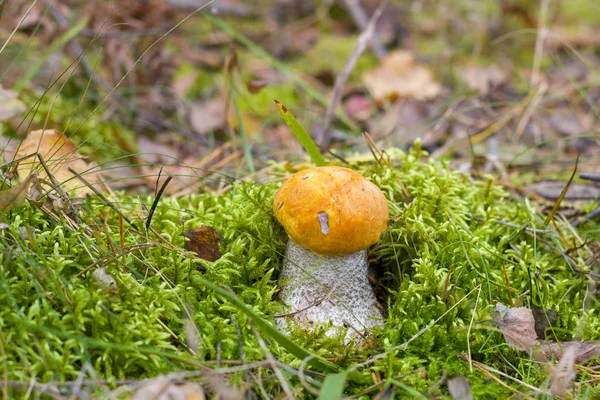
[334, 288]
[331, 215]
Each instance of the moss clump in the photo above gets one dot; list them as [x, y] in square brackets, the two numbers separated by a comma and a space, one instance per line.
[454, 247]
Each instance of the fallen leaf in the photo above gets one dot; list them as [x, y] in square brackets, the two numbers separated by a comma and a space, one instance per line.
[359, 107]
[517, 326]
[205, 242]
[256, 85]
[207, 116]
[544, 318]
[399, 76]
[159, 149]
[217, 383]
[104, 281]
[163, 388]
[459, 388]
[60, 154]
[582, 350]
[552, 190]
[10, 105]
[484, 79]
[563, 374]
[15, 196]
[191, 334]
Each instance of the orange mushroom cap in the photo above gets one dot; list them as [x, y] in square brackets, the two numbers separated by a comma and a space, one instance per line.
[331, 210]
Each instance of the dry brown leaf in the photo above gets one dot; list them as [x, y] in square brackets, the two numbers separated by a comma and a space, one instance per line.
[544, 319]
[104, 281]
[60, 154]
[582, 350]
[399, 76]
[552, 190]
[205, 242]
[484, 79]
[163, 388]
[563, 374]
[15, 196]
[517, 325]
[207, 116]
[459, 388]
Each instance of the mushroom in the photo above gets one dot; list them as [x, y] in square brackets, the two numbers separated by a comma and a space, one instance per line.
[331, 215]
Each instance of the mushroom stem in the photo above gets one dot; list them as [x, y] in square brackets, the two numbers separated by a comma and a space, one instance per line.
[328, 288]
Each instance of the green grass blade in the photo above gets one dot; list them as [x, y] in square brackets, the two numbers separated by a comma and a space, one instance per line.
[68, 35]
[415, 394]
[244, 136]
[562, 195]
[333, 386]
[301, 134]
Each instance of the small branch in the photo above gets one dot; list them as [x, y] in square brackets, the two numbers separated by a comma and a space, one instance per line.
[72, 211]
[314, 303]
[362, 21]
[342, 78]
[539, 43]
[590, 176]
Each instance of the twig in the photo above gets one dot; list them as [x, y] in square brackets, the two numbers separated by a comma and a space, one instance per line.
[314, 303]
[18, 24]
[361, 20]
[359, 333]
[590, 176]
[72, 211]
[588, 217]
[342, 78]
[487, 368]
[539, 43]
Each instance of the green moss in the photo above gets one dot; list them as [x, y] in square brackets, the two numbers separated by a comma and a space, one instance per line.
[442, 259]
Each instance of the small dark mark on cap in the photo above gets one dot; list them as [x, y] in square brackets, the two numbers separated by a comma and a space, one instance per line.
[324, 222]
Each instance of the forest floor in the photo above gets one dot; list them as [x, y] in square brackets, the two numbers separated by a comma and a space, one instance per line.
[152, 121]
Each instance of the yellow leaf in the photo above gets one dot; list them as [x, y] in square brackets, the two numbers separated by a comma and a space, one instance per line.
[15, 196]
[399, 76]
[60, 154]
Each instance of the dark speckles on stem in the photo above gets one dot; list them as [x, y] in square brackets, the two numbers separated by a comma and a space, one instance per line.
[324, 222]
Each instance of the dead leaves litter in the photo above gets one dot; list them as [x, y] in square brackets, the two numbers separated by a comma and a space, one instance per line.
[205, 242]
[517, 326]
[60, 154]
[15, 196]
[400, 76]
